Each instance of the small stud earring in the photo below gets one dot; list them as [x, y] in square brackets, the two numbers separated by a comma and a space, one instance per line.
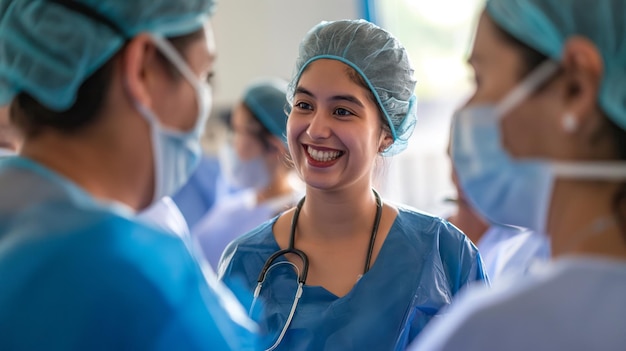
[569, 123]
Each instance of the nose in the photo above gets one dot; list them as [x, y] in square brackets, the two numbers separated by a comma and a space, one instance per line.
[319, 126]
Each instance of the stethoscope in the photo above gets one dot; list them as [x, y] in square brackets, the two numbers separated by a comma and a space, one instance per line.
[291, 249]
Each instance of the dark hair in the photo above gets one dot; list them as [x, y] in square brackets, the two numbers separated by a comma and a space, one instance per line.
[31, 117]
[532, 58]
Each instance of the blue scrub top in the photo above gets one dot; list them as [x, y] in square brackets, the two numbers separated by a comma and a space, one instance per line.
[422, 264]
[76, 274]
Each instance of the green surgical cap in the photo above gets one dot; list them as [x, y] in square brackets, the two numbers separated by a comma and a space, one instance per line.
[48, 49]
[545, 25]
[379, 58]
[266, 98]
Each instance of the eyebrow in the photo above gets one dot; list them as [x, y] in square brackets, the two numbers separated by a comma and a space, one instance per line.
[349, 98]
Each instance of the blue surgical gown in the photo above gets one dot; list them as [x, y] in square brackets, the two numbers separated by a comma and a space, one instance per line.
[78, 274]
[422, 264]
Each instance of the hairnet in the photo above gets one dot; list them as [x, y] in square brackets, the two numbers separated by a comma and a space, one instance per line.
[545, 25]
[379, 58]
[48, 50]
[267, 99]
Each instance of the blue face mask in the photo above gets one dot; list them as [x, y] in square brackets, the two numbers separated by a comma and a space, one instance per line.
[506, 190]
[176, 154]
[243, 174]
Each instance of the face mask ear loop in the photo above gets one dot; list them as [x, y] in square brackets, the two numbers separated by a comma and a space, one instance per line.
[529, 85]
[175, 58]
[203, 91]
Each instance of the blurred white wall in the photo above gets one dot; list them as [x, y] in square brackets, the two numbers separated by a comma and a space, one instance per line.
[260, 38]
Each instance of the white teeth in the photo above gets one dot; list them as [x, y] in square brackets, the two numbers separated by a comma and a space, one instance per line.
[323, 156]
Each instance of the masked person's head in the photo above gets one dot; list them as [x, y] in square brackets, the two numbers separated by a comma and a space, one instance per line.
[71, 67]
[257, 149]
[549, 106]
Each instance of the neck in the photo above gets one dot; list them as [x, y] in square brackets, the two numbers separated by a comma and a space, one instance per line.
[337, 215]
[583, 222]
[96, 162]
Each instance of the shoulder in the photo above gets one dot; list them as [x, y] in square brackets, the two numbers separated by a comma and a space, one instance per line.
[261, 236]
[418, 223]
[86, 243]
[249, 248]
[447, 247]
[91, 267]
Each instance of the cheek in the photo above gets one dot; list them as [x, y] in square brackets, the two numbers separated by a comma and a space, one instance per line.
[247, 147]
[294, 129]
[527, 131]
[181, 108]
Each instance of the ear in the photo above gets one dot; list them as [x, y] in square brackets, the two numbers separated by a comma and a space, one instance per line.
[139, 56]
[583, 69]
[386, 139]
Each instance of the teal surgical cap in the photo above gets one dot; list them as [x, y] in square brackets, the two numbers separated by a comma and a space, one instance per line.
[48, 48]
[381, 61]
[266, 99]
[545, 25]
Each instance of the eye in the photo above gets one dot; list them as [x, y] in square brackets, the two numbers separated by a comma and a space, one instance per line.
[343, 112]
[303, 106]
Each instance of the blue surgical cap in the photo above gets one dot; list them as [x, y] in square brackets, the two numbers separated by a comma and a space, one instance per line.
[48, 48]
[378, 58]
[266, 99]
[545, 25]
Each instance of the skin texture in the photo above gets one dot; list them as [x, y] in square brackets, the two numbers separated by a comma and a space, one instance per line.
[115, 153]
[535, 129]
[333, 113]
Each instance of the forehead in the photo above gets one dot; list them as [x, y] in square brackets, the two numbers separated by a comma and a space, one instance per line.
[327, 77]
[242, 117]
[491, 48]
[201, 52]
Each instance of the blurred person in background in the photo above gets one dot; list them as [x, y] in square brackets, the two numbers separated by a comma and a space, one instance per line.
[506, 250]
[255, 159]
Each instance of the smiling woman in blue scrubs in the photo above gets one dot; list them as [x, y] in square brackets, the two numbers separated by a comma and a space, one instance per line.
[345, 270]
[111, 99]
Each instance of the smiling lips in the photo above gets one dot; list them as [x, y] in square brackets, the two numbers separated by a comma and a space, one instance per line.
[322, 158]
